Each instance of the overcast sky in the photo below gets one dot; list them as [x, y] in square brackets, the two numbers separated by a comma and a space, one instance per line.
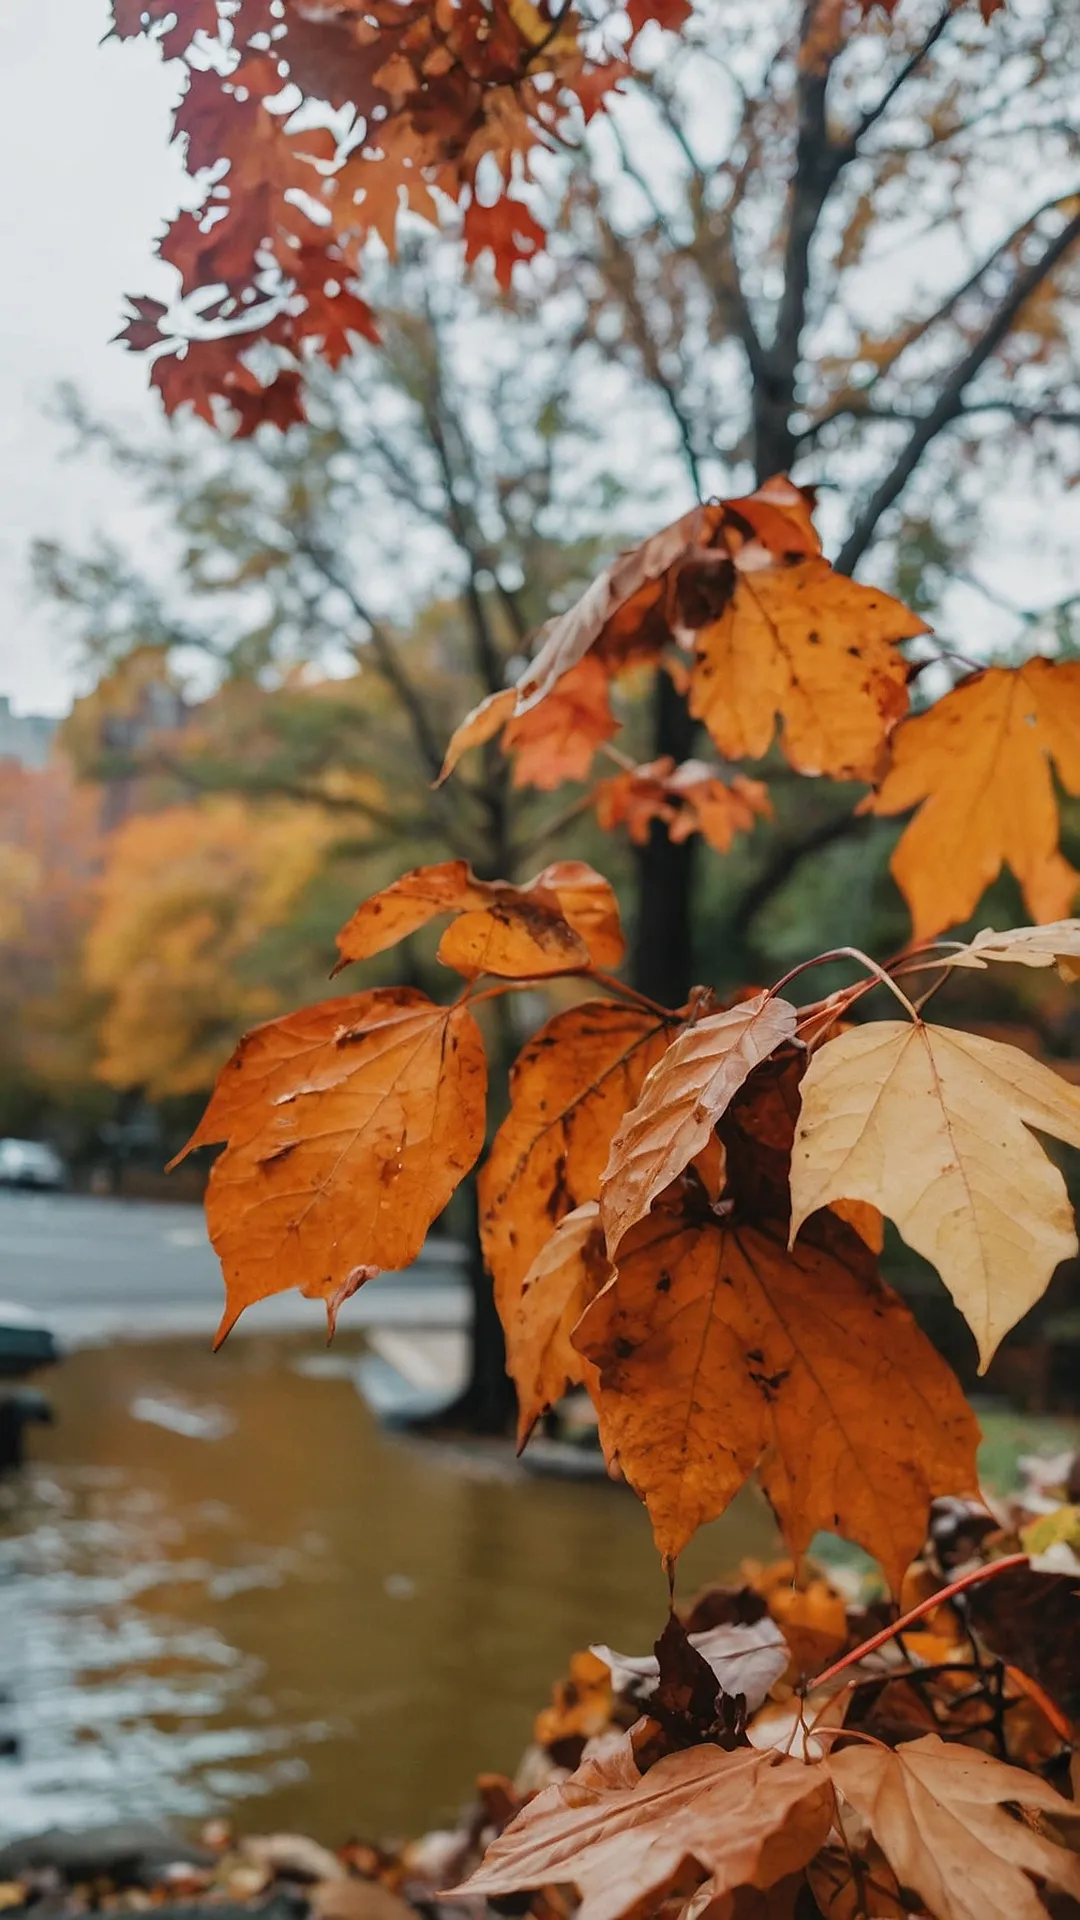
[88, 178]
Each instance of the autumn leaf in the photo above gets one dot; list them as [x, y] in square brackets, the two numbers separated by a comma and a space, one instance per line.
[820, 651]
[938, 1814]
[568, 1270]
[349, 1125]
[775, 633]
[633, 577]
[1055, 945]
[931, 1125]
[508, 230]
[561, 922]
[558, 741]
[569, 1088]
[850, 1885]
[479, 726]
[551, 746]
[720, 1352]
[690, 798]
[744, 1659]
[580, 1705]
[979, 765]
[680, 1103]
[627, 1841]
[715, 808]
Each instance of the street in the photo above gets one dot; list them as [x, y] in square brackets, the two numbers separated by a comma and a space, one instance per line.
[97, 1268]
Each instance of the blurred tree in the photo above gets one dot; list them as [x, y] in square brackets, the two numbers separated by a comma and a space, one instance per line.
[50, 849]
[186, 899]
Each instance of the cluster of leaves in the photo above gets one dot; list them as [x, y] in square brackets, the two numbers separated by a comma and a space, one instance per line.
[737, 602]
[727, 1775]
[636, 1209]
[682, 1209]
[307, 128]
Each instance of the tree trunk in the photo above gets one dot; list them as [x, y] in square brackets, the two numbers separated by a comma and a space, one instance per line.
[662, 960]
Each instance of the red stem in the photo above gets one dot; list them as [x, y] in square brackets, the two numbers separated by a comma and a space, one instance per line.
[925, 1606]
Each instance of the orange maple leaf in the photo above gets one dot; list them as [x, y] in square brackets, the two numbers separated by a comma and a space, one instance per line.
[348, 1126]
[978, 765]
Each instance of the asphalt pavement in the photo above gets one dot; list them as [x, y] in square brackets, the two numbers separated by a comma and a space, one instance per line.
[101, 1269]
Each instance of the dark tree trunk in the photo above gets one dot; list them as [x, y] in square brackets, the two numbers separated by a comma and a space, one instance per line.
[662, 960]
[488, 1403]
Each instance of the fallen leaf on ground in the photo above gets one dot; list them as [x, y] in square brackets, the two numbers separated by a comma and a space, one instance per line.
[569, 1269]
[569, 1088]
[627, 1841]
[349, 1125]
[680, 1102]
[581, 1704]
[937, 1811]
[979, 766]
[719, 1352]
[931, 1125]
[850, 1884]
[745, 1659]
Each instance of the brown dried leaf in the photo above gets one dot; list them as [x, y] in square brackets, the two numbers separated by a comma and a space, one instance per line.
[680, 1103]
[557, 923]
[938, 1813]
[627, 1841]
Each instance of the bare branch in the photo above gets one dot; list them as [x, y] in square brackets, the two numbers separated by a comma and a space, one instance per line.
[949, 404]
[849, 147]
[386, 657]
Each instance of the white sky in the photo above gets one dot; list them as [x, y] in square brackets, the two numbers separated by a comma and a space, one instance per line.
[87, 182]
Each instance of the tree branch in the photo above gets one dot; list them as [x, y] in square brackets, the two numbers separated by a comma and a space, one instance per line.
[848, 148]
[949, 403]
[386, 658]
[790, 856]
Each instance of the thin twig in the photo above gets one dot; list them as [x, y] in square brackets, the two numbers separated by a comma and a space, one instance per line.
[938, 1599]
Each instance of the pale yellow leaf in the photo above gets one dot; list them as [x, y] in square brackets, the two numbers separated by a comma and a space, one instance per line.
[931, 1125]
[937, 1811]
[1055, 945]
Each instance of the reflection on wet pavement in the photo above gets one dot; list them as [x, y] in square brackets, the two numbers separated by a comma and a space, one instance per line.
[222, 1587]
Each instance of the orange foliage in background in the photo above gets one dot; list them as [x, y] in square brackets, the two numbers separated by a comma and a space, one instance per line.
[184, 898]
[50, 851]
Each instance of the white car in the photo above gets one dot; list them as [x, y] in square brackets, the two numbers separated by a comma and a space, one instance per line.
[30, 1163]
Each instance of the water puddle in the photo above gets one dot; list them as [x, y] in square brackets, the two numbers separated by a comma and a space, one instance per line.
[223, 1588]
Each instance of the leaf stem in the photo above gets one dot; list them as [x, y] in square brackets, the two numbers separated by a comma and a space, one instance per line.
[881, 978]
[916, 1613]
